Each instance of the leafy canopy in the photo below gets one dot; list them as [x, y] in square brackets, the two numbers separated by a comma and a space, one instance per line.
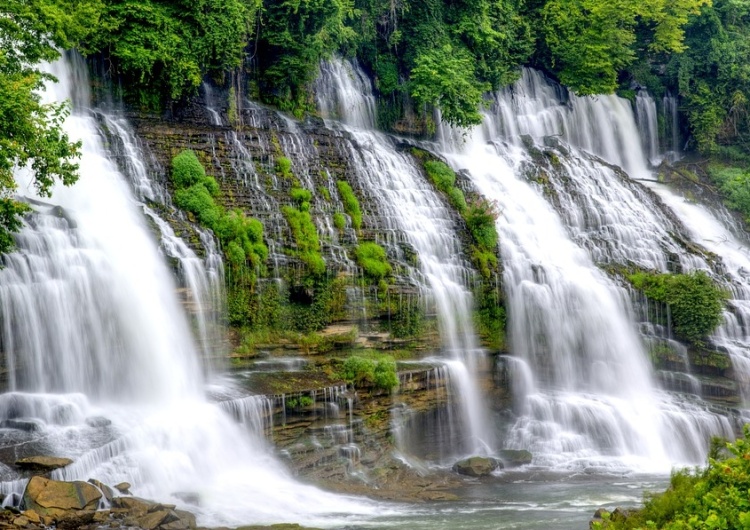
[31, 133]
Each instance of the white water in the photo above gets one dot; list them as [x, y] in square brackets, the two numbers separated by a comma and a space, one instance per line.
[593, 402]
[92, 327]
[414, 209]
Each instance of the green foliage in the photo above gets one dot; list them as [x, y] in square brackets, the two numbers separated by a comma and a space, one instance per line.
[480, 217]
[351, 204]
[694, 300]
[339, 221]
[734, 185]
[373, 260]
[444, 179]
[31, 134]
[298, 402]
[284, 167]
[166, 47]
[187, 170]
[445, 77]
[591, 41]
[714, 498]
[364, 372]
[241, 237]
[304, 232]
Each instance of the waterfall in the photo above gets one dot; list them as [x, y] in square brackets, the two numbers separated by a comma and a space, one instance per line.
[672, 127]
[603, 125]
[645, 113]
[102, 361]
[593, 401]
[407, 201]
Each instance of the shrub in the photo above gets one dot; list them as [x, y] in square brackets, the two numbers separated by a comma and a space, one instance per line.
[306, 238]
[339, 221]
[480, 218]
[351, 204]
[301, 195]
[372, 258]
[734, 185]
[370, 373]
[187, 170]
[441, 175]
[714, 498]
[694, 300]
[284, 167]
[198, 200]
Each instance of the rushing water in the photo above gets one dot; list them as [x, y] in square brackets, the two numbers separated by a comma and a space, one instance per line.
[103, 363]
[410, 203]
[568, 321]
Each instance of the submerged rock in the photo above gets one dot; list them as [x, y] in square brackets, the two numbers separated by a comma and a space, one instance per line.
[43, 463]
[21, 425]
[98, 421]
[477, 466]
[513, 458]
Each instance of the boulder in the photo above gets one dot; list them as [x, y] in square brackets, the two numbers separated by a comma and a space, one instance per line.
[43, 464]
[476, 466]
[512, 458]
[123, 487]
[62, 501]
[106, 490]
[98, 421]
[21, 425]
[133, 506]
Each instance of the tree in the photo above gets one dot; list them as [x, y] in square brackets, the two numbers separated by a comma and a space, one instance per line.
[591, 41]
[31, 134]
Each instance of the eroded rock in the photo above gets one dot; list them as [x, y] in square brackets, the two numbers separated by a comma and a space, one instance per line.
[476, 466]
[62, 501]
[43, 463]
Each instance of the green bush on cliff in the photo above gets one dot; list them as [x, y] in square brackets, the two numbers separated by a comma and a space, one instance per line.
[715, 498]
[372, 258]
[187, 170]
[364, 372]
[734, 185]
[305, 237]
[284, 167]
[351, 204]
[241, 237]
[695, 301]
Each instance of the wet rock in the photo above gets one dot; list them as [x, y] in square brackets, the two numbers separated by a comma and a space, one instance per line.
[188, 497]
[98, 421]
[21, 425]
[62, 501]
[106, 490]
[476, 466]
[102, 516]
[599, 515]
[43, 463]
[32, 516]
[151, 520]
[21, 521]
[132, 505]
[512, 458]
[123, 487]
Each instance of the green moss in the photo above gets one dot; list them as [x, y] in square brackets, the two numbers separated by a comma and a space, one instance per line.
[695, 301]
[241, 237]
[284, 167]
[325, 193]
[339, 221]
[351, 204]
[372, 258]
[306, 238]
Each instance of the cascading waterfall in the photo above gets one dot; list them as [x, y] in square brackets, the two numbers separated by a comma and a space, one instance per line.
[102, 361]
[344, 92]
[672, 127]
[203, 279]
[715, 229]
[645, 113]
[567, 320]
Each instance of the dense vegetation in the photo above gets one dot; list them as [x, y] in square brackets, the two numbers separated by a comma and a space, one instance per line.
[716, 497]
[422, 53]
[694, 300]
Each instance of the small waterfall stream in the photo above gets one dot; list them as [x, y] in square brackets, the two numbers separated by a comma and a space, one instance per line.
[344, 92]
